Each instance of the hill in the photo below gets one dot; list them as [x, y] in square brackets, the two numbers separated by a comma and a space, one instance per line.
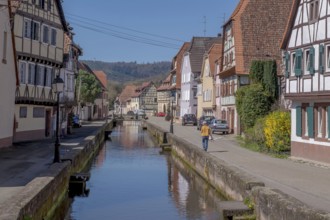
[131, 72]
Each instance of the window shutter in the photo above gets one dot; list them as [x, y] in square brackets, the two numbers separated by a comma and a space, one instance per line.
[310, 121]
[298, 121]
[297, 68]
[287, 64]
[321, 56]
[311, 60]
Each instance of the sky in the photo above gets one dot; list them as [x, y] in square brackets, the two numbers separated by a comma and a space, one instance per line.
[142, 31]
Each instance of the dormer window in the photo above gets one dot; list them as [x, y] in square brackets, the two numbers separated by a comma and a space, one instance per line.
[313, 10]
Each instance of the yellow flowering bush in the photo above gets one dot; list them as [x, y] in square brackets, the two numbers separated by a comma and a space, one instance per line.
[277, 131]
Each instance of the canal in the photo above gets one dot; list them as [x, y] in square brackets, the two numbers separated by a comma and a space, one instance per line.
[132, 179]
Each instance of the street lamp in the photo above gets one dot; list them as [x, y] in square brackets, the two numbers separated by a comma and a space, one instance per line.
[171, 125]
[58, 87]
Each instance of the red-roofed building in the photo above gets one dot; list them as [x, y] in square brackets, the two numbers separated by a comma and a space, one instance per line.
[176, 71]
[254, 31]
[101, 102]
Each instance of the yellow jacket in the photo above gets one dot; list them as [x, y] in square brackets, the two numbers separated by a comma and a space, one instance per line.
[205, 131]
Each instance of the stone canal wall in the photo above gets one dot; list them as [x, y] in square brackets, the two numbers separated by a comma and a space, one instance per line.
[269, 204]
[43, 197]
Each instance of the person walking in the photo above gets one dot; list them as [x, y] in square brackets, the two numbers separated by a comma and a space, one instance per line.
[206, 134]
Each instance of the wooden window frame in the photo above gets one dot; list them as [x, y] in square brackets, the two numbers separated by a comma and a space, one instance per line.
[23, 112]
[313, 11]
[22, 75]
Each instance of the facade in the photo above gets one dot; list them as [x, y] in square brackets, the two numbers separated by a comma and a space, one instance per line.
[69, 73]
[148, 97]
[9, 77]
[101, 102]
[248, 36]
[126, 96]
[176, 70]
[191, 70]
[217, 87]
[306, 47]
[39, 28]
[164, 94]
[206, 89]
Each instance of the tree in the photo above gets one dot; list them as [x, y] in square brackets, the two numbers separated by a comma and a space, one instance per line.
[252, 103]
[89, 87]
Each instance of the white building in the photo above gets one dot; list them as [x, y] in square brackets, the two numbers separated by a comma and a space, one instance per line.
[307, 70]
[9, 77]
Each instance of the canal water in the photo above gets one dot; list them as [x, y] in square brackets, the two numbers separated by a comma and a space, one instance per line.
[132, 179]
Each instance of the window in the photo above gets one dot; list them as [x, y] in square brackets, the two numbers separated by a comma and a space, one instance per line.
[35, 30]
[27, 28]
[22, 72]
[49, 5]
[31, 74]
[313, 10]
[38, 112]
[4, 46]
[45, 34]
[328, 58]
[320, 131]
[307, 62]
[53, 37]
[293, 63]
[48, 76]
[42, 4]
[31, 29]
[23, 112]
[40, 75]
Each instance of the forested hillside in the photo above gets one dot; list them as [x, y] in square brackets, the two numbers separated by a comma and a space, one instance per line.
[121, 73]
[131, 72]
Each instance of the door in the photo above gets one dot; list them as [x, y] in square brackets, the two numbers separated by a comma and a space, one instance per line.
[48, 119]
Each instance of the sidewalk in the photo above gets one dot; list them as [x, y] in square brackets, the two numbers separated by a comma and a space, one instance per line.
[304, 181]
[24, 161]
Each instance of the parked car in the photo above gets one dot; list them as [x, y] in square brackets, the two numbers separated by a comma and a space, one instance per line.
[160, 114]
[130, 113]
[219, 125]
[208, 120]
[189, 119]
[140, 112]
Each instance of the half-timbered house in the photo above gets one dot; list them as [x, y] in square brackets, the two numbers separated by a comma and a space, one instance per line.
[39, 28]
[164, 94]
[306, 48]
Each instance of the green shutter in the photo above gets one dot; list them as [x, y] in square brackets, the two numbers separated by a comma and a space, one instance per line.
[298, 64]
[310, 121]
[328, 121]
[311, 60]
[287, 64]
[298, 121]
[321, 56]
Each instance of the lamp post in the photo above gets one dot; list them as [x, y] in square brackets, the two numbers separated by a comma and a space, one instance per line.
[58, 87]
[171, 125]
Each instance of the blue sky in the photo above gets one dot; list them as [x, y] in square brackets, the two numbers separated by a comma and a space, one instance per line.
[142, 30]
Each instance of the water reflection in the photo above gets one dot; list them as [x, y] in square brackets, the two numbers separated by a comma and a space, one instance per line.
[130, 179]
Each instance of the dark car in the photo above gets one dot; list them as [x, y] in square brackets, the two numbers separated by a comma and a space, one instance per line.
[219, 125]
[208, 120]
[189, 119]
